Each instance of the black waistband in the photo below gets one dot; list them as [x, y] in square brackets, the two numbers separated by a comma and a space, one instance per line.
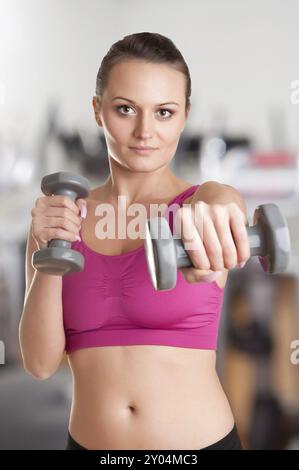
[230, 441]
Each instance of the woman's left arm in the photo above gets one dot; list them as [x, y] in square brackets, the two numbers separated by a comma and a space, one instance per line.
[212, 192]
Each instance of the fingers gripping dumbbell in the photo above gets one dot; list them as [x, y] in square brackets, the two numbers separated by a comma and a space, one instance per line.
[58, 258]
[268, 239]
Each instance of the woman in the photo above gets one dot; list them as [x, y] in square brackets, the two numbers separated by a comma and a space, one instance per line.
[143, 362]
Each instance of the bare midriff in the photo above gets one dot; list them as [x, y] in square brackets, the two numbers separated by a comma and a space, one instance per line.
[147, 397]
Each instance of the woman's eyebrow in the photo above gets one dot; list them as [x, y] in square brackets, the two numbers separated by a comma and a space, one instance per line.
[133, 102]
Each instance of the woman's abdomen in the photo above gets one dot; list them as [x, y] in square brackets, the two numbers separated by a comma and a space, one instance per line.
[147, 397]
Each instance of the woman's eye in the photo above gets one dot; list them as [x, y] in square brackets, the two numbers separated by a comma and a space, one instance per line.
[125, 107]
[168, 111]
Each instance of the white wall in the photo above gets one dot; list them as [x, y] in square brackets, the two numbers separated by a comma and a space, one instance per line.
[242, 55]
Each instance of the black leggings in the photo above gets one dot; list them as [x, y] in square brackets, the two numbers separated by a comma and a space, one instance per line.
[229, 442]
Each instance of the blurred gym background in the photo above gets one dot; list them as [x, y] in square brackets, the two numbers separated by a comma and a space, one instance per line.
[243, 130]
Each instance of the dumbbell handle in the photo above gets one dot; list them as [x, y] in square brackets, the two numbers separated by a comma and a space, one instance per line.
[255, 243]
[57, 243]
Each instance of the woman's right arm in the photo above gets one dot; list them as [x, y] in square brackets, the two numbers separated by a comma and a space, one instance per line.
[41, 330]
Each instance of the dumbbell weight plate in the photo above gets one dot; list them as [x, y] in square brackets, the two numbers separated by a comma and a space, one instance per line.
[276, 239]
[64, 182]
[58, 261]
[160, 254]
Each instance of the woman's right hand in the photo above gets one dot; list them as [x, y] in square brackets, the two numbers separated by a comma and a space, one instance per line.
[56, 217]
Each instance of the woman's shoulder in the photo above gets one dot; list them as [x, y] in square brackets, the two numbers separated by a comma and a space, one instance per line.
[184, 189]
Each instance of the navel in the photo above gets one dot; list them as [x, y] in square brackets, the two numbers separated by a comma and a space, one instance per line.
[132, 409]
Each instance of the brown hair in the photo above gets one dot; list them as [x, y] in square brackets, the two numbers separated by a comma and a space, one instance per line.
[151, 47]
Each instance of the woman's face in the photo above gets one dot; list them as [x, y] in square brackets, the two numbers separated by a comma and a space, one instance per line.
[140, 117]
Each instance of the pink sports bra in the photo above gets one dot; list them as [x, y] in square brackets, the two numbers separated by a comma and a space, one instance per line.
[113, 302]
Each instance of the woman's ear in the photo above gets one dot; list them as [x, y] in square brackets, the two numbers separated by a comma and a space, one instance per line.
[96, 108]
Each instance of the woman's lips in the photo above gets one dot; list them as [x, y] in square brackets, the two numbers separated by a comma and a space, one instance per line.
[142, 151]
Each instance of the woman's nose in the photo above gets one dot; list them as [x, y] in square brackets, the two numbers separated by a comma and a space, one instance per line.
[144, 128]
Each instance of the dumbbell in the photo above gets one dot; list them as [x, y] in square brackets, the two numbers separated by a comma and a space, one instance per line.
[269, 239]
[58, 258]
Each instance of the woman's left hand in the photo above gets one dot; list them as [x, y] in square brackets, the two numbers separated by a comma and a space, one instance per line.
[215, 237]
